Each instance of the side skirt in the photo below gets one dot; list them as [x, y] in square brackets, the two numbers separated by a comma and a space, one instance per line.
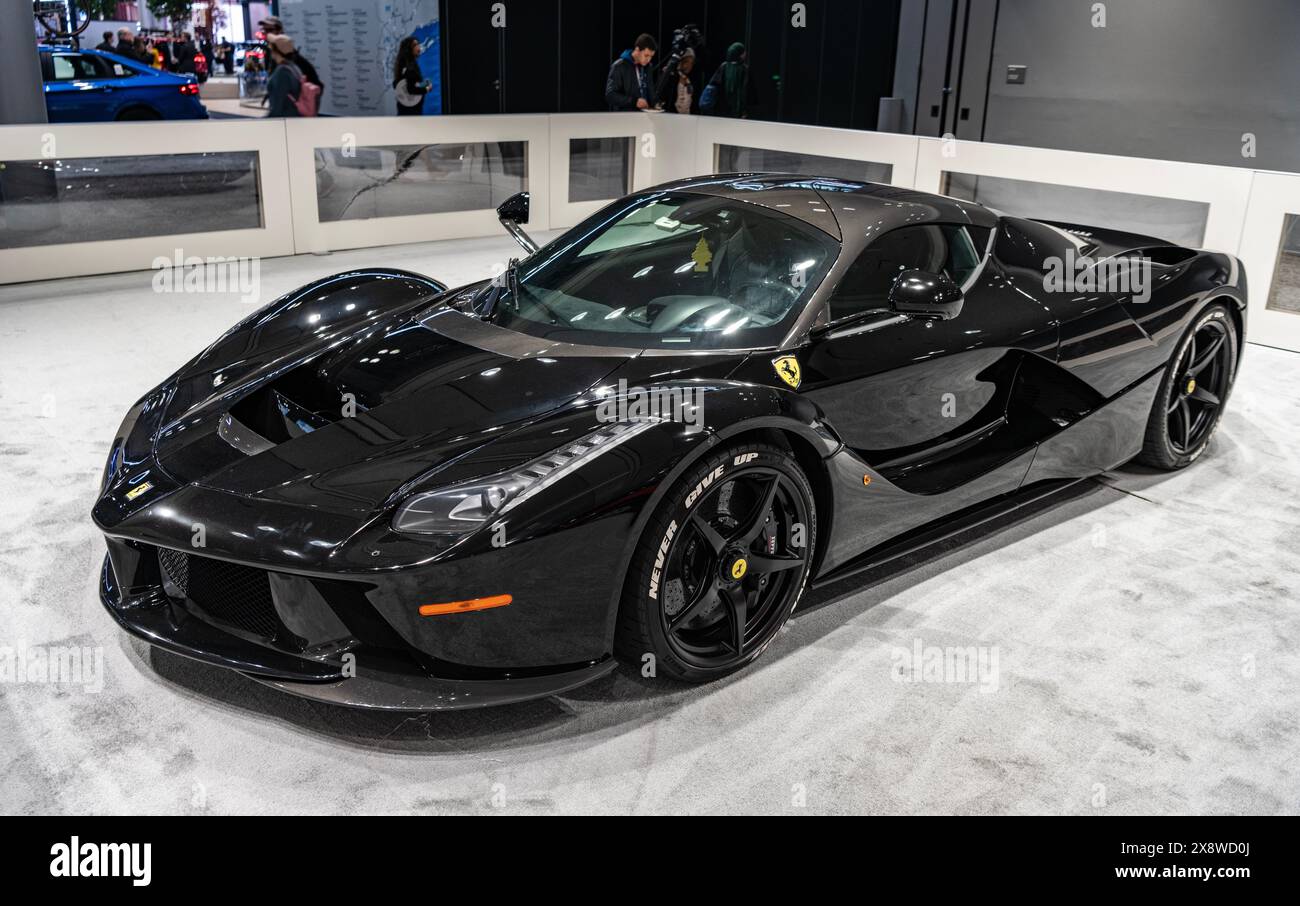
[948, 527]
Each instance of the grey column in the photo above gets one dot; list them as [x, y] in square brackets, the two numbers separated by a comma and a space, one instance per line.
[22, 96]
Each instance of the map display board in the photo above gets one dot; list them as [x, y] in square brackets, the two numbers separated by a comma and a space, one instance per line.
[353, 43]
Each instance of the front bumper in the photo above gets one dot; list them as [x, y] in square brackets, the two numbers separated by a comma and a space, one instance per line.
[368, 669]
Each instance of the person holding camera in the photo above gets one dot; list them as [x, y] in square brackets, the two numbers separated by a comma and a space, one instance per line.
[676, 92]
[630, 83]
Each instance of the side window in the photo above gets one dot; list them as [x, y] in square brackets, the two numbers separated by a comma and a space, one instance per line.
[64, 70]
[935, 248]
[105, 68]
[69, 66]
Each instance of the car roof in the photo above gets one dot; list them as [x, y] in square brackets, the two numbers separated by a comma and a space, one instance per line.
[138, 68]
[850, 211]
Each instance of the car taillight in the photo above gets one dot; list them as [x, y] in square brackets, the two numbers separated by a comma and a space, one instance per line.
[190, 88]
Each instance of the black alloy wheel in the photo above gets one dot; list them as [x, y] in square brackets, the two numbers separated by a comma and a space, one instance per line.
[1201, 383]
[722, 564]
[1191, 397]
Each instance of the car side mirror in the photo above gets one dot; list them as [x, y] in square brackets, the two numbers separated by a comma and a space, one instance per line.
[922, 294]
[514, 208]
[512, 212]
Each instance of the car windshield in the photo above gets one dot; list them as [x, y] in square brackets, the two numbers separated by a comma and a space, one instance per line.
[670, 270]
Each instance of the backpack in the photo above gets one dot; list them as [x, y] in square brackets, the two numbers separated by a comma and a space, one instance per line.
[709, 99]
[712, 93]
[308, 99]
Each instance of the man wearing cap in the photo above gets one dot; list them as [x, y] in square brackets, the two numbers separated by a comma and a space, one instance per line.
[273, 28]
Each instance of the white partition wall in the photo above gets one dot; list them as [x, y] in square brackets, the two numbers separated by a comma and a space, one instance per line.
[1274, 296]
[897, 151]
[315, 185]
[346, 161]
[1223, 189]
[636, 129]
[141, 145]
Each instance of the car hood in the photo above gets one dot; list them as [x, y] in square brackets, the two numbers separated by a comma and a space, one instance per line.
[355, 423]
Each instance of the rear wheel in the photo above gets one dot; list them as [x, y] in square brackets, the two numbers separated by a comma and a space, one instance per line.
[720, 565]
[1196, 385]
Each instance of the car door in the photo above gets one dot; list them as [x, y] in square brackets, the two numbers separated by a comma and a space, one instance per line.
[924, 401]
[75, 89]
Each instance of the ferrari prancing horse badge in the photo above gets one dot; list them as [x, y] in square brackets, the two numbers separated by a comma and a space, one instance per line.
[787, 369]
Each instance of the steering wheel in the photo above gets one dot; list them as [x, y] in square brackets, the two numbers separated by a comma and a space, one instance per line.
[764, 287]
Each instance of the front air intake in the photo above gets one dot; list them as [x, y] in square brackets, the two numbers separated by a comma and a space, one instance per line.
[239, 596]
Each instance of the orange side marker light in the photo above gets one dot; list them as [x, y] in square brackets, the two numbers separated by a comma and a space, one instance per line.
[433, 610]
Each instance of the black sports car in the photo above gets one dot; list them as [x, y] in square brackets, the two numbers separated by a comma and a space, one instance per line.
[644, 439]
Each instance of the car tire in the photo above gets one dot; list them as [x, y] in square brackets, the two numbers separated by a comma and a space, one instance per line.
[714, 576]
[1189, 403]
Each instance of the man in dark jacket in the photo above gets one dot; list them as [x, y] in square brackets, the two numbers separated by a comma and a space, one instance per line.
[631, 82]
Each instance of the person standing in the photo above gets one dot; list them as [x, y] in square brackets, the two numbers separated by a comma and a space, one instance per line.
[285, 83]
[731, 91]
[409, 84]
[107, 43]
[125, 44]
[630, 83]
[676, 88]
[185, 52]
[271, 25]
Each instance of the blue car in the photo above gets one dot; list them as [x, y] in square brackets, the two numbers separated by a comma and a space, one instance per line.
[85, 86]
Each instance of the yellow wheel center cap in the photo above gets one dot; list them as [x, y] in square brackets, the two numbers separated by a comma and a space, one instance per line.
[1191, 386]
[739, 568]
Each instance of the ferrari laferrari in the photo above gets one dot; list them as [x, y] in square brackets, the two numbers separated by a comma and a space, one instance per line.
[643, 441]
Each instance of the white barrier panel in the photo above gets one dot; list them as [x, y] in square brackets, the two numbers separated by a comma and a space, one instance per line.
[1273, 196]
[55, 145]
[351, 165]
[337, 183]
[636, 128]
[899, 151]
[1224, 189]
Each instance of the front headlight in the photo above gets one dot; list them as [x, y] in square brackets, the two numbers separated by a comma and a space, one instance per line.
[462, 508]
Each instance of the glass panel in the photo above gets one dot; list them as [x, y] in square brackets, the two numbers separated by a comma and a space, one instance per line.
[397, 180]
[599, 168]
[1284, 295]
[1170, 219]
[736, 159]
[88, 199]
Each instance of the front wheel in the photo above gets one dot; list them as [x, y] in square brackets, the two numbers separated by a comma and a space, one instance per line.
[721, 564]
[1195, 388]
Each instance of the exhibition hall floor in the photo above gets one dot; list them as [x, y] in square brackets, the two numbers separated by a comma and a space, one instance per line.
[1145, 628]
